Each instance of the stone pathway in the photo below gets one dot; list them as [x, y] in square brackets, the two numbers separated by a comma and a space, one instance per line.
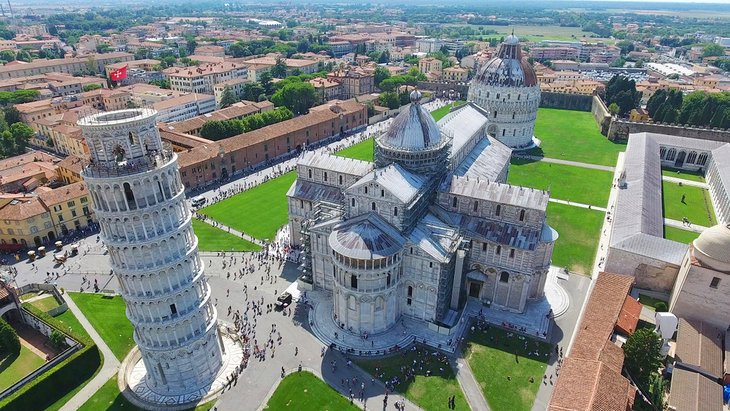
[683, 181]
[232, 231]
[109, 367]
[574, 204]
[682, 226]
[469, 385]
[565, 162]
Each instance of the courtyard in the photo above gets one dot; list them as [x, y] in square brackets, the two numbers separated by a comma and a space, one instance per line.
[685, 201]
[579, 230]
[14, 367]
[679, 235]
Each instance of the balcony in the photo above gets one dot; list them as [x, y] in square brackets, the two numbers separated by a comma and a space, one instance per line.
[153, 160]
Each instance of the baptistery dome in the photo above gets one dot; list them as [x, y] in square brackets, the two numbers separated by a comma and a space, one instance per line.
[506, 88]
[508, 68]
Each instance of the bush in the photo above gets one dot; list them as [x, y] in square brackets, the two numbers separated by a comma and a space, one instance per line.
[9, 341]
[660, 307]
[58, 340]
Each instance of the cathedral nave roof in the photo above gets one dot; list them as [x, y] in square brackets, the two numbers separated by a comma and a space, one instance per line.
[307, 190]
[482, 189]
[501, 232]
[398, 181]
[339, 164]
[435, 237]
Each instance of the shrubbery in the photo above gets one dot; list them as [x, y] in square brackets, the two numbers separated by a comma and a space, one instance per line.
[9, 341]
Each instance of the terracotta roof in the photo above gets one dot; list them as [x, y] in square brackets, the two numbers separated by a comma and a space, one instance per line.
[601, 314]
[691, 391]
[590, 378]
[198, 154]
[31, 157]
[63, 194]
[629, 316]
[181, 139]
[22, 208]
[73, 164]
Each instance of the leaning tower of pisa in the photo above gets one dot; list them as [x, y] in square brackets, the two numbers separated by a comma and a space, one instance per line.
[139, 200]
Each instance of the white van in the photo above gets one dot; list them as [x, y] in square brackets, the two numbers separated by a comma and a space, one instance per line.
[199, 201]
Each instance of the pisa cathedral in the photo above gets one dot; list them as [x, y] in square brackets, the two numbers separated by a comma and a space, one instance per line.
[429, 224]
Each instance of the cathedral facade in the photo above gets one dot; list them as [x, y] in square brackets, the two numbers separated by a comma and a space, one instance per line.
[429, 224]
[506, 88]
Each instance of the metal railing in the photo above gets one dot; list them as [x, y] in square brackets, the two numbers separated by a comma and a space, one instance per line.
[151, 161]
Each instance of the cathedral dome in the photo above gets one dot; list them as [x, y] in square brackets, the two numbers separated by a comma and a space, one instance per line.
[413, 129]
[366, 239]
[712, 247]
[508, 67]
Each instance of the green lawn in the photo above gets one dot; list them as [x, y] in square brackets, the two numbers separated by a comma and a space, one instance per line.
[439, 113]
[45, 304]
[108, 398]
[573, 135]
[582, 185]
[493, 356]
[650, 302]
[214, 239]
[679, 235]
[258, 212]
[108, 318]
[428, 392]
[14, 367]
[360, 151]
[538, 33]
[579, 231]
[697, 206]
[305, 391]
[687, 175]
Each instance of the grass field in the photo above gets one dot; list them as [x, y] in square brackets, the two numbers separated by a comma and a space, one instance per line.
[108, 398]
[684, 175]
[538, 33]
[582, 185]
[439, 113]
[45, 304]
[679, 235]
[361, 151]
[493, 356]
[214, 239]
[697, 206]
[579, 231]
[305, 391]
[107, 317]
[14, 367]
[650, 302]
[428, 392]
[573, 135]
[258, 212]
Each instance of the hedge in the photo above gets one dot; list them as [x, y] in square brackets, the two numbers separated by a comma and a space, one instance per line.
[53, 384]
[9, 341]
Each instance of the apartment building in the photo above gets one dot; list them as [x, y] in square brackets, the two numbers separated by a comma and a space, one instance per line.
[355, 81]
[430, 65]
[202, 79]
[455, 74]
[183, 107]
[94, 63]
[236, 86]
[326, 89]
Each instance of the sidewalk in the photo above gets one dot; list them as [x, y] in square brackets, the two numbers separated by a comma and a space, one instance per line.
[574, 204]
[682, 181]
[217, 224]
[682, 226]
[566, 162]
[109, 367]
[469, 385]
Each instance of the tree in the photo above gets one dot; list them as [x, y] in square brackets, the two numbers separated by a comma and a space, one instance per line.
[23, 55]
[297, 97]
[252, 91]
[711, 50]
[9, 341]
[164, 83]
[278, 70]
[613, 109]
[92, 86]
[11, 114]
[622, 91]
[21, 135]
[7, 55]
[228, 98]
[265, 79]
[103, 48]
[389, 99]
[643, 356]
[384, 57]
[57, 340]
[381, 73]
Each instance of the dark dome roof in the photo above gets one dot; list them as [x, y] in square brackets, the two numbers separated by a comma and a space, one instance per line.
[508, 67]
[413, 129]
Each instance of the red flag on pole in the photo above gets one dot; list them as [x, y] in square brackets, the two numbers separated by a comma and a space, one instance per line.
[119, 74]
